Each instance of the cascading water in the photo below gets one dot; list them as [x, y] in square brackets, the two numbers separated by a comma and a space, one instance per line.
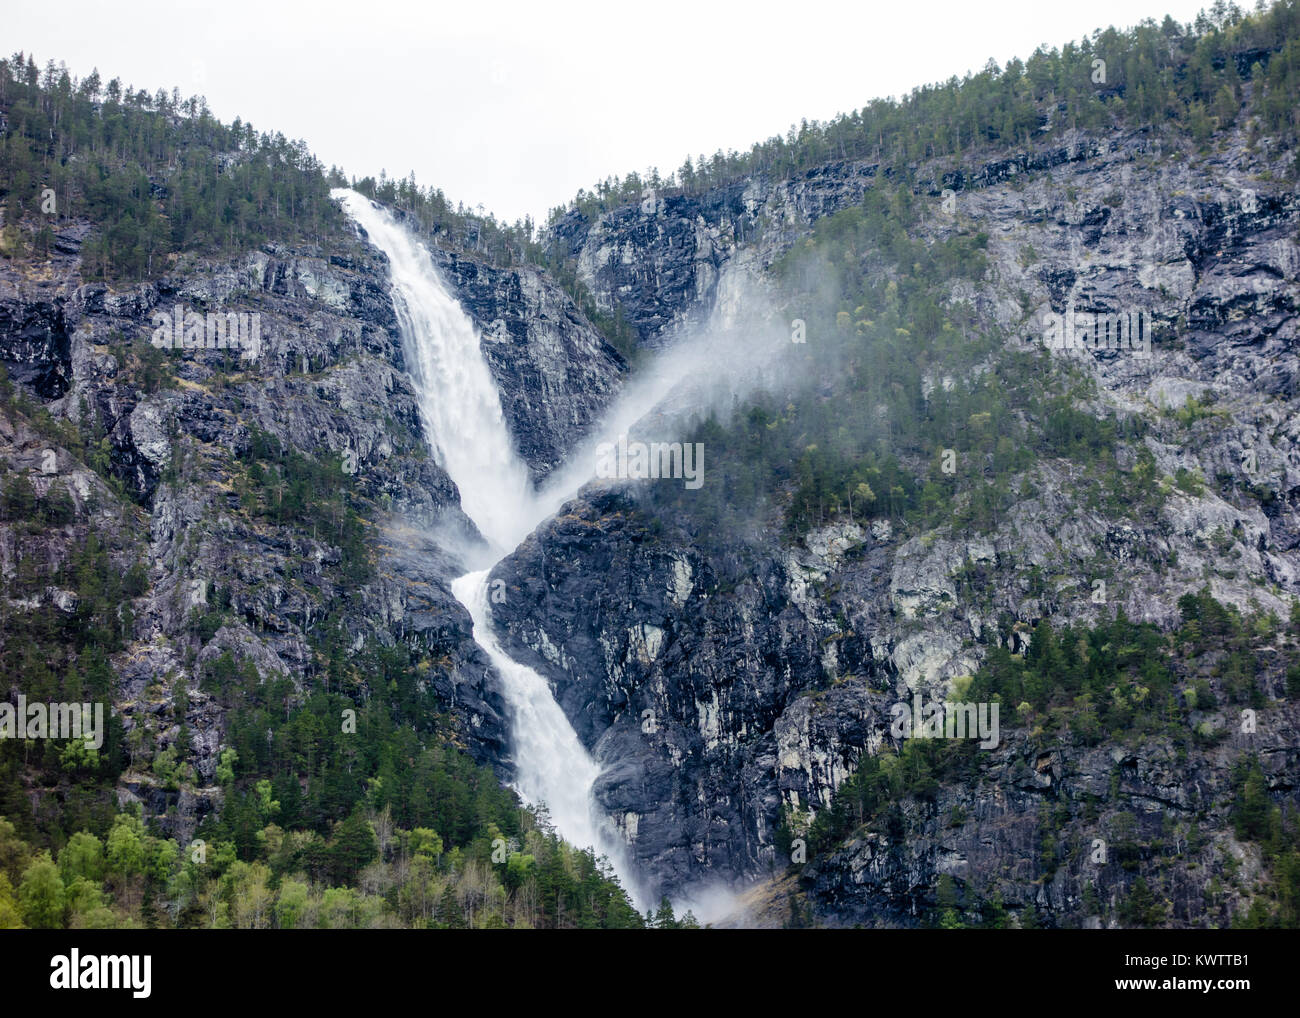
[459, 403]
[553, 765]
[464, 425]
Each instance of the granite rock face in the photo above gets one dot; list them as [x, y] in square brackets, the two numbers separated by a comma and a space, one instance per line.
[36, 349]
[715, 695]
[687, 688]
[1060, 827]
[660, 263]
[555, 371]
[329, 382]
[721, 689]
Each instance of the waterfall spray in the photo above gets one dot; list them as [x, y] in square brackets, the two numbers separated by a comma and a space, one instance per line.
[460, 408]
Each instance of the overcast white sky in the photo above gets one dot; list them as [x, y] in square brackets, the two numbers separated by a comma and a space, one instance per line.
[517, 105]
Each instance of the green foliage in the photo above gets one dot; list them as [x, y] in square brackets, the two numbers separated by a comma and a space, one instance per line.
[41, 895]
[126, 847]
[1251, 804]
[352, 847]
[157, 174]
[10, 908]
[947, 904]
[428, 211]
[226, 766]
[1118, 679]
[1141, 907]
[1190, 482]
[283, 486]
[170, 770]
[870, 796]
[1188, 79]
[60, 654]
[663, 917]
[296, 879]
[1109, 681]
[86, 441]
[82, 857]
[905, 420]
[300, 769]
[1112, 682]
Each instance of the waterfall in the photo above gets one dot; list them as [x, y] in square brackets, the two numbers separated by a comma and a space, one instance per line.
[459, 403]
[559, 771]
[465, 427]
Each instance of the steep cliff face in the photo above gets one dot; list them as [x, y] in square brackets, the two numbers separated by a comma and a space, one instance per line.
[730, 693]
[686, 676]
[36, 346]
[555, 372]
[659, 263]
[718, 692]
[1059, 828]
[328, 384]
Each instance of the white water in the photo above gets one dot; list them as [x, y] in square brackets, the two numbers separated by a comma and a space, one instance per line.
[459, 403]
[559, 771]
[464, 425]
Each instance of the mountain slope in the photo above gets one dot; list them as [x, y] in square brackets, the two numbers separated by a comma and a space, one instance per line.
[919, 498]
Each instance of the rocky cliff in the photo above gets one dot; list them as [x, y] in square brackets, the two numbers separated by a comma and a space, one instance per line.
[719, 690]
[329, 385]
[731, 683]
